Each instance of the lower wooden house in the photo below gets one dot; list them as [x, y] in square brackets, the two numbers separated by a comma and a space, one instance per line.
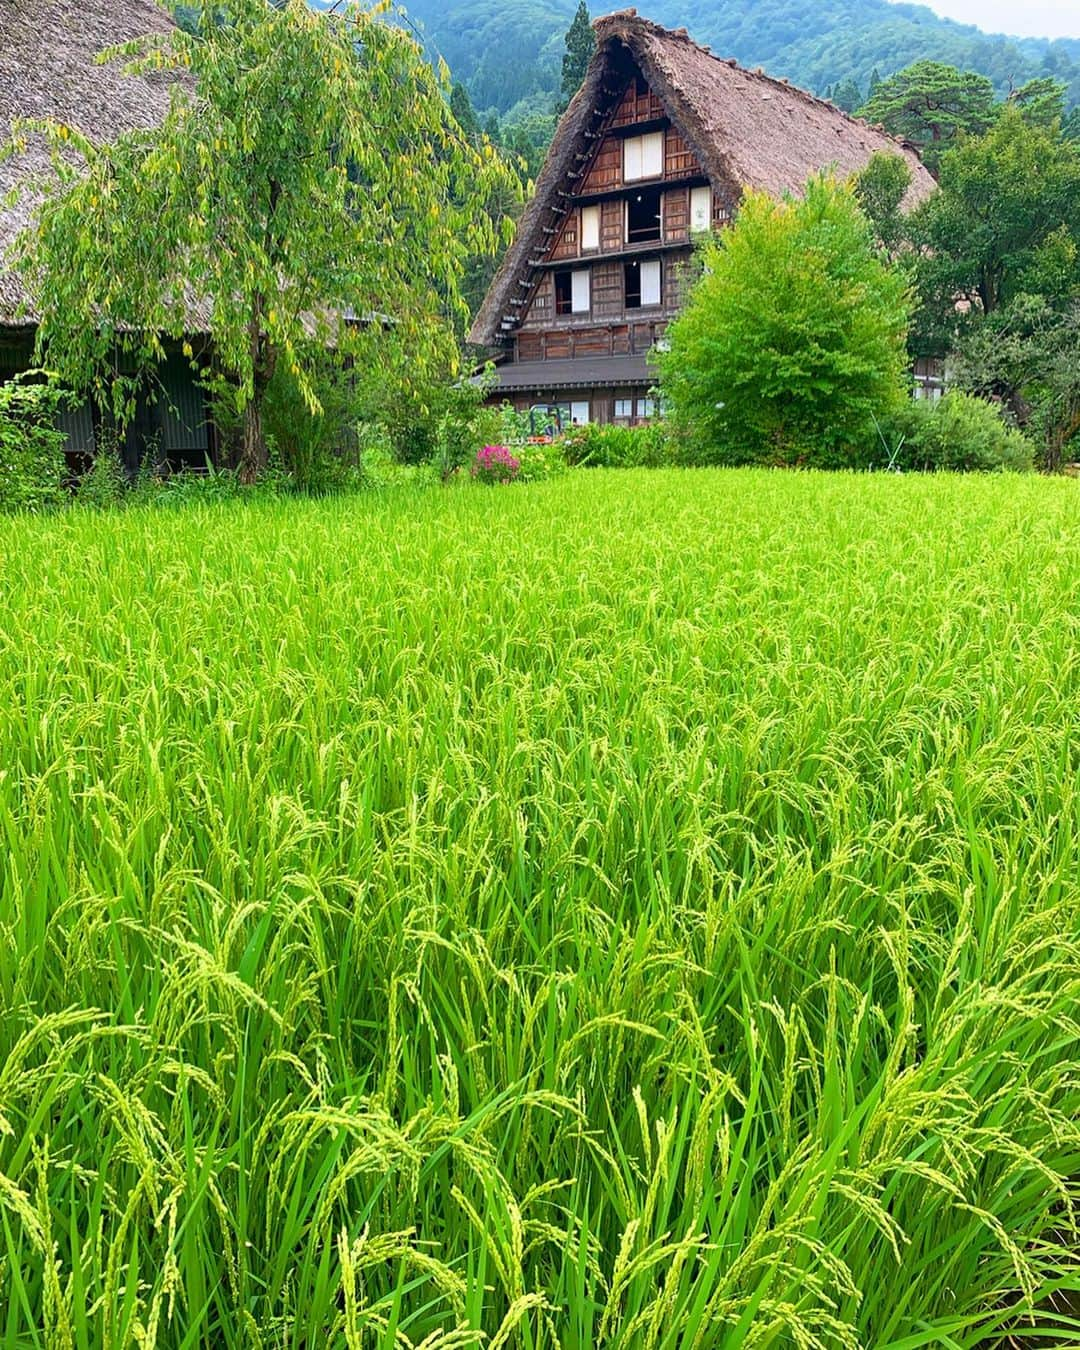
[48, 70]
[658, 145]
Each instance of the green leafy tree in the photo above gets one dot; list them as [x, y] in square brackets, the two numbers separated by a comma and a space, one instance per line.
[1027, 358]
[880, 189]
[875, 81]
[792, 340]
[580, 45]
[1005, 220]
[309, 189]
[931, 104]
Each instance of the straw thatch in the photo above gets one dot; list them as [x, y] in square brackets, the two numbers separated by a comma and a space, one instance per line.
[47, 70]
[747, 130]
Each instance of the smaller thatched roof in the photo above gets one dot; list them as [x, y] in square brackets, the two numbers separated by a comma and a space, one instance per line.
[47, 70]
[747, 129]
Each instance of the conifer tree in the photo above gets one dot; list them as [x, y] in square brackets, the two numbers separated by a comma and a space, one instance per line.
[580, 45]
[464, 114]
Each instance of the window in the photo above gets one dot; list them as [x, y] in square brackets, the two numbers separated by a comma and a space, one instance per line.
[643, 212]
[572, 291]
[700, 209]
[579, 413]
[646, 407]
[643, 156]
[641, 283]
[624, 407]
[641, 85]
[590, 227]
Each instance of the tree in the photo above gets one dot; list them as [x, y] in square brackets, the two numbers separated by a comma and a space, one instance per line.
[464, 114]
[793, 337]
[880, 189]
[1027, 357]
[580, 45]
[847, 95]
[309, 190]
[1041, 102]
[875, 81]
[930, 104]
[529, 140]
[1006, 218]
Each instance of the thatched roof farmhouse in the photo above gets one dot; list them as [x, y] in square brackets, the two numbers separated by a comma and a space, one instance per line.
[661, 140]
[48, 70]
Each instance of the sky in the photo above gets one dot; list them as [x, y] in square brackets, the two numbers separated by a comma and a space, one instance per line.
[1034, 18]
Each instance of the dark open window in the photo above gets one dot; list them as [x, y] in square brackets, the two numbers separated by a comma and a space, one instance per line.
[632, 284]
[564, 292]
[643, 216]
[642, 283]
[641, 85]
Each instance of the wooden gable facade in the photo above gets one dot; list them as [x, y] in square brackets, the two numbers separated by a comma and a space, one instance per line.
[658, 144]
[609, 276]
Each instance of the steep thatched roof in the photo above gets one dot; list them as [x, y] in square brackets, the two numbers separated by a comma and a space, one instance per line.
[747, 130]
[47, 69]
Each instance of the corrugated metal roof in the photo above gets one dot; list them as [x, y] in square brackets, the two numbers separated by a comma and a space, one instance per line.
[575, 373]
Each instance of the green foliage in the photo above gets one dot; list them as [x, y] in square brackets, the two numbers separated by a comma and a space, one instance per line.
[610, 446]
[104, 484]
[1006, 220]
[527, 134]
[580, 45]
[463, 112]
[538, 462]
[635, 910]
[932, 104]
[462, 423]
[847, 95]
[319, 449]
[958, 432]
[31, 443]
[1028, 357]
[880, 189]
[792, 339]
[273, 192]
[1041, 102]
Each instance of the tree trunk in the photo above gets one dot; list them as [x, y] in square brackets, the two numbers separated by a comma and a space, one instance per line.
[253, 444]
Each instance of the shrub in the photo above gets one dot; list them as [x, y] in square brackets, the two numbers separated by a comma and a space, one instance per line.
[104, 484]
[539, 460]
[959, 432]
[792, 338]
[608, 446]
[319, 451]
[495, 464]
[31, 444]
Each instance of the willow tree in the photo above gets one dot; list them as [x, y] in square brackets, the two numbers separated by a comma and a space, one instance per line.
[308, 191]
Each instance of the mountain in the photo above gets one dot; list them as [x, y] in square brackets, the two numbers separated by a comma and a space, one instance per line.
[508, 52]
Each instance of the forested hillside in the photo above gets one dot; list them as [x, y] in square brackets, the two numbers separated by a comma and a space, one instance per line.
[507, 52]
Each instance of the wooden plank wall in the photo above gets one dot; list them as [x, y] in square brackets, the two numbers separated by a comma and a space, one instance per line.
[627, 338]
[637, 108]
[605, 173]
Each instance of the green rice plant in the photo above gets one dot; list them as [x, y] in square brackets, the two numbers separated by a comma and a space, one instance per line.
[641, 909]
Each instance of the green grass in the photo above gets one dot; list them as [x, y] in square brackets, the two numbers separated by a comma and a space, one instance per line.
[636, 910]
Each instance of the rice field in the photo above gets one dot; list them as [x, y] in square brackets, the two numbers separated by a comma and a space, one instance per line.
[638, 910]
